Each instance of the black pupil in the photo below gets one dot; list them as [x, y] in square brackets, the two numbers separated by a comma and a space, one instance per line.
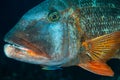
[54, 16]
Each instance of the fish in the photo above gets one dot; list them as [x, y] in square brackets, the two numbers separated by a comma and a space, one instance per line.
[63, 33]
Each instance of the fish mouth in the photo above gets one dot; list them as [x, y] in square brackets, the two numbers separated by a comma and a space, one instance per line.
[18, 52]
[12, 50]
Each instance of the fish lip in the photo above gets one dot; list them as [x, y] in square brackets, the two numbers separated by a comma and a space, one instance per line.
[21, 54]
[10, 49]
[11, 43]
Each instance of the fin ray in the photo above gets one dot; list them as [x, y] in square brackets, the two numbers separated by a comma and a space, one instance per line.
[103, 47]
[97, 68]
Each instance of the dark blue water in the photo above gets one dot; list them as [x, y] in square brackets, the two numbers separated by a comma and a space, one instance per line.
[10, 12]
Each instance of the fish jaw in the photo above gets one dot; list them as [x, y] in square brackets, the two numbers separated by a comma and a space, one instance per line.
[23, 54]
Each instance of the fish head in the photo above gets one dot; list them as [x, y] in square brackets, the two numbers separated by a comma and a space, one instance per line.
[44, 35]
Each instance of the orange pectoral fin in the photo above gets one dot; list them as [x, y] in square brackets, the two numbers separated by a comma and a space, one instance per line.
[103, 47]
[97, 68]
[99, 50]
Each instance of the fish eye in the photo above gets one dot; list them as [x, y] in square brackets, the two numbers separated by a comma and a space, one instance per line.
[53, 16]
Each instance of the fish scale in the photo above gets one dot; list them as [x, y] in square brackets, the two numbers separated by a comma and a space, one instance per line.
[96, 16]
[107, 3]
[99, 20]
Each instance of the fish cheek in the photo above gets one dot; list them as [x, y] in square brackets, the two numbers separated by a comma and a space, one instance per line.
[40, 37]
[40, 45]
[34, 37]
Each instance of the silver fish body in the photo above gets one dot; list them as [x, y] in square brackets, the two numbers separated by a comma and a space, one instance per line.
[51, 34]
